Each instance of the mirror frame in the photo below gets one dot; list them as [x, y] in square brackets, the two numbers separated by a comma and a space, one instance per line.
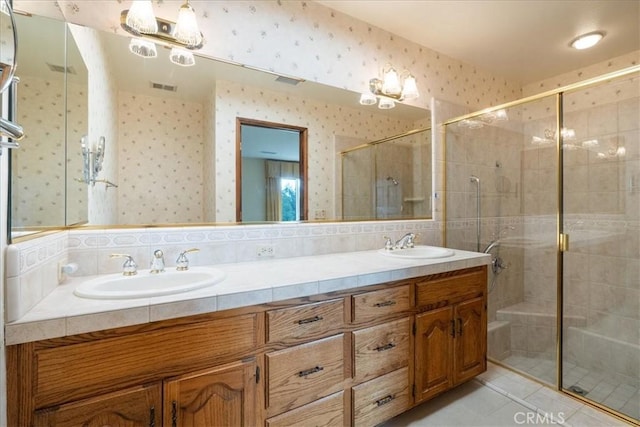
[302, 149]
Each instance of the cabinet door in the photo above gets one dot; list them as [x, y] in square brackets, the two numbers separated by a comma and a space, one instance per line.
[134, 407]
[433, 350]
[471, 340]
[221, 396]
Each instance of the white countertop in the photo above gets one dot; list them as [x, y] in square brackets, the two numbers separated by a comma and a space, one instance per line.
[61, 313]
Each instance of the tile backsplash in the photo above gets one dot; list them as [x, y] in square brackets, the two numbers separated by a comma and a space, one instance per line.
[32, 266]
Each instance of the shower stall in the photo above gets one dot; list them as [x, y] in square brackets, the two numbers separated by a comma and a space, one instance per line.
[559, 211]
[388, 179]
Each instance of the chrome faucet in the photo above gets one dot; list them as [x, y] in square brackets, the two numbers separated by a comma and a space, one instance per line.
[182, 263]
[157, 263]
[129, 268]
[406, 241]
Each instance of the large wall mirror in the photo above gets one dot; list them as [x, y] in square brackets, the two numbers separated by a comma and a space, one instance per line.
[168, 133]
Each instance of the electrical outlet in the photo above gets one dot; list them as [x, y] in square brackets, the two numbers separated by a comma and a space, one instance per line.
[265, 251]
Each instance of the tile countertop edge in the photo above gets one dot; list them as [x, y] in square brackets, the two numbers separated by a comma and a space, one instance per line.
[37, 328]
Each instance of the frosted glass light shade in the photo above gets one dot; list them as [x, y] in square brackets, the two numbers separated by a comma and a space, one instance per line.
[186, 30]
[391, 83]
[182, 57]
[143, 48]
[141, 17]
[386, 103]
[410, 89]
[367, 98]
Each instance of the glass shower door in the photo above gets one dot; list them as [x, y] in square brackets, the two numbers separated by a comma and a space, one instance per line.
[601, 277]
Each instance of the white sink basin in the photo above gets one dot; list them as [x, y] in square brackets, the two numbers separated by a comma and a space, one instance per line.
[145, 284]
[419, 252]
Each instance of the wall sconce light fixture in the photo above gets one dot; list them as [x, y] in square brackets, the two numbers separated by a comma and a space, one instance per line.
[391, 88]
[92, 162]
[182, 36]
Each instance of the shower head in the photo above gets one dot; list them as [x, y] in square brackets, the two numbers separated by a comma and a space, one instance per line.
[475, 179]
[392, 179]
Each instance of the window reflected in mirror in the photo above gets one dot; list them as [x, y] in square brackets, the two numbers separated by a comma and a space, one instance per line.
[271, 173]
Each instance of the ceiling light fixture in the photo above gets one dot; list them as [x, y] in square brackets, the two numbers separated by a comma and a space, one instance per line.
[391, 88]
[587, 40]
[141, 22]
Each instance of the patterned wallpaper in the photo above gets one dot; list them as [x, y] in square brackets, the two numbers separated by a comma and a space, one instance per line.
[309, 40]
[581, 74]
[160, 164]
[209, 172]
[38, 181]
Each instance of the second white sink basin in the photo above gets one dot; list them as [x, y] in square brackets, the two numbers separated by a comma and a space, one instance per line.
[145, 284]
[419, 252]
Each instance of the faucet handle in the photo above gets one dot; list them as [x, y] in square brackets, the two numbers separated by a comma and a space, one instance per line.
[182, 263]
[129, 268]
[388, 245]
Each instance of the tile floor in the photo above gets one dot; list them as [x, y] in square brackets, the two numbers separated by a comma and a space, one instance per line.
[500, 397]
[598, 386]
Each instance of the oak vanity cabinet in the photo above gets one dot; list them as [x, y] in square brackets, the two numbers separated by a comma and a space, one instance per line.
[450, 341]
[189, 372]
[356, 357]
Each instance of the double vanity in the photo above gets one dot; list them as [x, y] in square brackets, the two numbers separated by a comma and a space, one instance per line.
[352, 338]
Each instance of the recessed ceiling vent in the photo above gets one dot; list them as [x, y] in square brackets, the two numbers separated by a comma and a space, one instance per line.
[61, 69]
[288, 80]
[160, 86]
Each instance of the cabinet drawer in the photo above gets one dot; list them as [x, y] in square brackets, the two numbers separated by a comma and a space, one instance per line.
[448, 290]
[326, 412]
[375, 304]
[381, 349]
[382, 398]
[305, 322]
[304, 373]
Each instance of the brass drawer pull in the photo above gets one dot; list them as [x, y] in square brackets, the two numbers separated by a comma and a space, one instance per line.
[385, 347]
[385, 303]
[310, 371]
[310, 320]
[385, 400]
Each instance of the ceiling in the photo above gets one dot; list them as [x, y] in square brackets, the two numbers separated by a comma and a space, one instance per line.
[523, 40]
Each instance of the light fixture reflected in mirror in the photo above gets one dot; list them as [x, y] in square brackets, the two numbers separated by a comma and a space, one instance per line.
[391, 88]
[143, 48]
[386, 103]
[181, 57]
